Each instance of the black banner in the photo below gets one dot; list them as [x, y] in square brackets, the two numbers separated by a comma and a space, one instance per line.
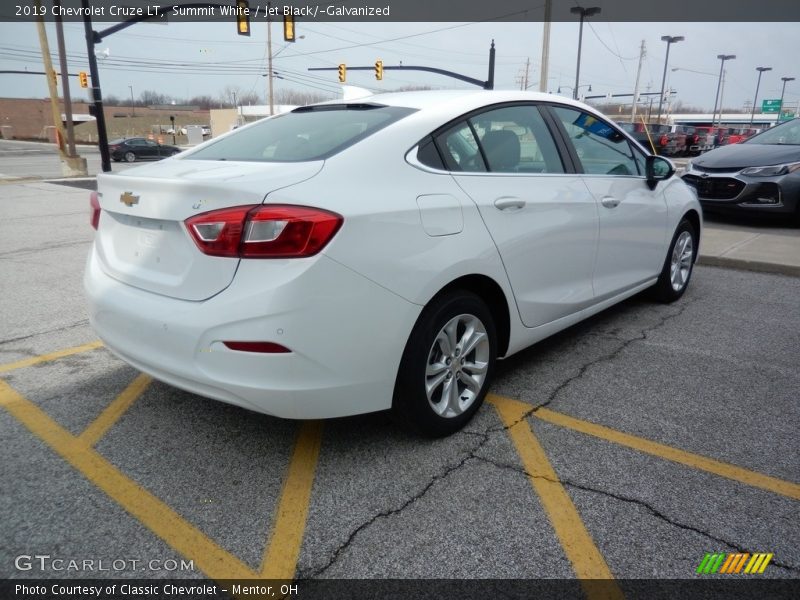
[408, 10]
[703, 587]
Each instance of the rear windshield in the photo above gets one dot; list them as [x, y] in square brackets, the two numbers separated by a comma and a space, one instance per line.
[305, 134]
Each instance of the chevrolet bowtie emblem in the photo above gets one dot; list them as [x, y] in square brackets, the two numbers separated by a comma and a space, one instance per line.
[129, 199]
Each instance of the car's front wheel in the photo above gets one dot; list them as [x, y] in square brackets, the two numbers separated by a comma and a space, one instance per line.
[677, 269]
[130, 156]
[447, 365]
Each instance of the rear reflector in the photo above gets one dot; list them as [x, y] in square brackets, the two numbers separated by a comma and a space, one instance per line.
[264, 347]
[264, 231]
[94, 216]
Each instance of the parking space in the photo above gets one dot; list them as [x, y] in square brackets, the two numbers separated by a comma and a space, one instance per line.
[624, 448]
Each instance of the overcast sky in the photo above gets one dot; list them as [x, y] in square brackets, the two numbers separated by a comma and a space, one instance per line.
[189, 59]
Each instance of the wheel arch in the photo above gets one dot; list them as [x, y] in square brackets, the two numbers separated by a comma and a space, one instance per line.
[488, 290]
[694, 218]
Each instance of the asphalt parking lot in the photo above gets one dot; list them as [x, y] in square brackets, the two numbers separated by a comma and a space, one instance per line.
[628, 448]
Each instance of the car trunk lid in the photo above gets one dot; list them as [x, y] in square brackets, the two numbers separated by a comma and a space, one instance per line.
[142, 239]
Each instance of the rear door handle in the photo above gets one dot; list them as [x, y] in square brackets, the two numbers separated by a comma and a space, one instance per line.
[609, 202]
[509, 203]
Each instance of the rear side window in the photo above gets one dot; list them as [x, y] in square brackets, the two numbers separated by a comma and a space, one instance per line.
[509, 139]
[305, 134]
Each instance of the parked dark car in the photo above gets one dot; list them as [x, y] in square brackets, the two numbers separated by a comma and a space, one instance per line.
[758, 175]
[653, 136]
[131, 149]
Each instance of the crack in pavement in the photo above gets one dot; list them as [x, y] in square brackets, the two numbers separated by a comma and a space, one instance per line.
[44, 248]
[57, 329]
[647, 506]
[600, 359]
[484, 439]
[394, 511]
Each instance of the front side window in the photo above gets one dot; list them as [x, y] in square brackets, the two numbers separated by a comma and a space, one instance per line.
[305, 134]
[601, 149]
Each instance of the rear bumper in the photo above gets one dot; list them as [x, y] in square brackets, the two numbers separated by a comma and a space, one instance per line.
[346, 336]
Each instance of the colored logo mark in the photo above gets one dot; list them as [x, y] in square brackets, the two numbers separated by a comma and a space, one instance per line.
[734, 563]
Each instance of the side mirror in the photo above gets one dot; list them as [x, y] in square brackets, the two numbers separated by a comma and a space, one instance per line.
[657, 168]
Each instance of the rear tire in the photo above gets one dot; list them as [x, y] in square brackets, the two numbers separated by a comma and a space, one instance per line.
[678, 265]
[130, 156]
[447, 365]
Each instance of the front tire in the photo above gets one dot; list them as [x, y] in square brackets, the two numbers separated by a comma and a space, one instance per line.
[447, 365]
[678, 265]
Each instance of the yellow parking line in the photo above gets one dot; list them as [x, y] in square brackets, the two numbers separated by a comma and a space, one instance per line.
[577, 542]
[20, 364]
[141, 504]
[283, 550]
[97, 429]
[696, 461]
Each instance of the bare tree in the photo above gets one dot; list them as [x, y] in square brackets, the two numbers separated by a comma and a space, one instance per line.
[299, 98]
[150, 97]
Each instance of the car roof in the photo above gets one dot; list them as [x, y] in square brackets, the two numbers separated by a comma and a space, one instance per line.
[425, 99]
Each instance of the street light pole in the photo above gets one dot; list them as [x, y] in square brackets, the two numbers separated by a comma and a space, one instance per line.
[784, 80]
[755, 98]
[670, 39]
[584, 13]
[722, 58]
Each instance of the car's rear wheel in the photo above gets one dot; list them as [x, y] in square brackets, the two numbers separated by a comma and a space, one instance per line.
[677, 269]
[130, 156]
[447, 365]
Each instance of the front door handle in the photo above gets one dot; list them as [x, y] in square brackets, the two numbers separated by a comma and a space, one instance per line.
[509, 203]
[609, 202]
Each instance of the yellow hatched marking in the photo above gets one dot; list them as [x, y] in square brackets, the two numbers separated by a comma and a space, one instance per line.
[283, 550]
[98, 428]
[764, 564]
[696, 461]
[29, 362]
[587, 561]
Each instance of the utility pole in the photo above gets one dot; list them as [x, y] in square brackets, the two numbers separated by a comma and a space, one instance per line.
[269, 59]
[528, 71]
[548, 9]
[524, 74]
[52, 86]
[642, 54]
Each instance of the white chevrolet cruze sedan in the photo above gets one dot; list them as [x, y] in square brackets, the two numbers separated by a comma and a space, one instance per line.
[350, 257]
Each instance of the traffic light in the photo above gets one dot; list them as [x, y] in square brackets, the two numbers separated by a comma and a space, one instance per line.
[83, 78]
[54, 77]
[378, 70]
[342, 73]
[242, 17]
[288, 28]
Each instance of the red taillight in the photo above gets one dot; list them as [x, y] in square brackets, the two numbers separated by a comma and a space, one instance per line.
[663, 141]
[264, 231]
[94, 203]
[263, 347]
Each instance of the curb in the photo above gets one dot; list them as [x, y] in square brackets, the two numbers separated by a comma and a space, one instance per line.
[749, 265]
